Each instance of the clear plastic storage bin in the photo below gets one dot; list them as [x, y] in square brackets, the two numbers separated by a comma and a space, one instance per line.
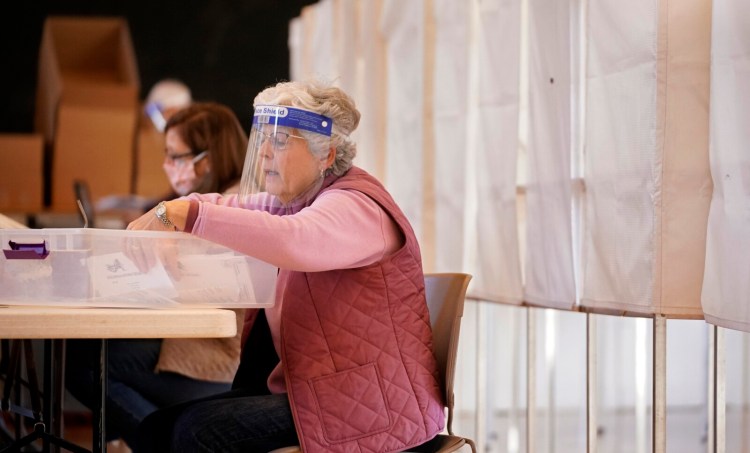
[120, 268]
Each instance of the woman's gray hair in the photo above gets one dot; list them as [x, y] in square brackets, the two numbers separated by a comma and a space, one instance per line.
[326, 100]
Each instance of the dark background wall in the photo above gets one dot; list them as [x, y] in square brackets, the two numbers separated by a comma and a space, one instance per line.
[224, 50]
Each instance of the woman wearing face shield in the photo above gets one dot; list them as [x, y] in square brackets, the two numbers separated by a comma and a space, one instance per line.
[205, 149]
[352, 367]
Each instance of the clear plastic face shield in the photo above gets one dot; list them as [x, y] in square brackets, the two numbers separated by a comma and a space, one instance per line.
[287, 151]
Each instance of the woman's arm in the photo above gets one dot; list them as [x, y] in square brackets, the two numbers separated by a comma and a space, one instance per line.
[341, 229]
[179, 209]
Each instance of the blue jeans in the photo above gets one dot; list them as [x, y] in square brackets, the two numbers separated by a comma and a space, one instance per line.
[134, 389]
[237, 421]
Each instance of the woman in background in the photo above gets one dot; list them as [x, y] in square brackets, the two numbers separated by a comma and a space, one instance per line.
[205, 151]
[165, 98]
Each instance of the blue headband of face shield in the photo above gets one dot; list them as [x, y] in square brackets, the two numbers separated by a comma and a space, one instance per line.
[279, 115]
[155, 111]
[266, 120]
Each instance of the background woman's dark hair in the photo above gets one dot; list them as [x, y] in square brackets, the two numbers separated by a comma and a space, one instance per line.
[213, 127]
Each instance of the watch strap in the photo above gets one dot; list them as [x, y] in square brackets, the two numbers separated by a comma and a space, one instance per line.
[161, 214]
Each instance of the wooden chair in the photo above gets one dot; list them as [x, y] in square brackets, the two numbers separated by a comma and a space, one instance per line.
[446, 293]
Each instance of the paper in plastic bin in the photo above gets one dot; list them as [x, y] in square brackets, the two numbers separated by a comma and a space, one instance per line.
[122, 268]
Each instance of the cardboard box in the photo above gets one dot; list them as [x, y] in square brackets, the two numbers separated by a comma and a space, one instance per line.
[150, 179]
[94, 145]
[120, 268]
[21, 184]
[87, 105]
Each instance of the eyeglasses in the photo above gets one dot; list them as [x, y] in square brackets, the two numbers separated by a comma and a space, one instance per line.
[279, 140]
[181, 159]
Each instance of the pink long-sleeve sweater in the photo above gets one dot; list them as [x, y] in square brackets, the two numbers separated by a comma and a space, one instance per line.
[341, 229]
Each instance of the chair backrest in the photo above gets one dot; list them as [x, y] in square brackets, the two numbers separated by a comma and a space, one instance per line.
[446, 293]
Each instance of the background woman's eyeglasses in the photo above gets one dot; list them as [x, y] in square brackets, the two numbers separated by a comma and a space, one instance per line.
[182, 159]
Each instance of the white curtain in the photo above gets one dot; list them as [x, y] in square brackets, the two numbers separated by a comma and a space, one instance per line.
[340, 41]
[319, 60]
[562, 159]
[371, 88]
[726, 288]
[620, 159]
[646, 166]
[686, 178]
[296, 48]
[450, 103]
[345, 44]
[438, 84]
[549, 277]
[321, 39]
[403, 26]
[492, 233]
[445, 147]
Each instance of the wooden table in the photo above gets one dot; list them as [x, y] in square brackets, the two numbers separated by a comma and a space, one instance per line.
[57, 324]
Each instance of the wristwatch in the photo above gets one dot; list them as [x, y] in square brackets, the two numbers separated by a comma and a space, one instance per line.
[161, 214]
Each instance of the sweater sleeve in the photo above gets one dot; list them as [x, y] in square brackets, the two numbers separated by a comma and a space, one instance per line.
[341, 229]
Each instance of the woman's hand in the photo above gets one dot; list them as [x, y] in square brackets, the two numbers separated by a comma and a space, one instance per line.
[148, 253]
[139, 251]
[177, 211]
[164, 251]
[148, 221]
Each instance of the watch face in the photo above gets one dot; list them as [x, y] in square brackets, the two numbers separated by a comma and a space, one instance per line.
[161, 210]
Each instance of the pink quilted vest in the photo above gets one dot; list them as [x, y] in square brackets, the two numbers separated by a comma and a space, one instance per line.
[356, 345]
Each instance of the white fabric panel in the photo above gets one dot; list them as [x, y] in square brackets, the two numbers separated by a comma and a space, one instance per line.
[726, 285]
[647, 179]
[296, 48]
[371, 89]
[345, 44]
[309, 17]
[402, 25]
[620, 162]
[340, 41]
[549, 276]
[450, 124]
[686, 177]
[493, 233]
[323, 43]
[322, 63]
